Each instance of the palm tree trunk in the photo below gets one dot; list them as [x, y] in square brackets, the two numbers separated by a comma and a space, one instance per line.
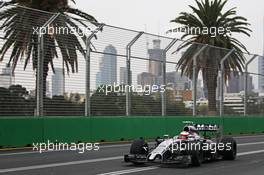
[45, 75]
[46, 57]
[211, 83]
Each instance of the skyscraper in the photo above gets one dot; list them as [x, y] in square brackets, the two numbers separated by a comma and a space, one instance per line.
[123, 75]
[58, 82]
[154, 67]
[178, 81]
[261, 71]
[107, 74]
[6, 77]
[155, 58]
[146, 78]
[48, 93]
[236, 83]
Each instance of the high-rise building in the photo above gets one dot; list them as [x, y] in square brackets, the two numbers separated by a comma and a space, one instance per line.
[58, 82]
[107, 74]
[261, 71]
[48, 93]
[7, 78]
[123, 75]
[154, 67]
[178, 81]
[155, 58]
[146, 78]
[182, 84]
[236, 83]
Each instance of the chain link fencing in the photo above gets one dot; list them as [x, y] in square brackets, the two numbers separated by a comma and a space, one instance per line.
[59, 65]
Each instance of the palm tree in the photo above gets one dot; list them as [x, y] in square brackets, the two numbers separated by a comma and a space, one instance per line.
[209, 15]
[21, 18]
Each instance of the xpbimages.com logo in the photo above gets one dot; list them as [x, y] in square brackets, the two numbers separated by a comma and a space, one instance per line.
[144, 89]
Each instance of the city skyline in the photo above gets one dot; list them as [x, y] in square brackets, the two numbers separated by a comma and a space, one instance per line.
[120, 13]
[31, 74]
[107, 74]
[261, 71]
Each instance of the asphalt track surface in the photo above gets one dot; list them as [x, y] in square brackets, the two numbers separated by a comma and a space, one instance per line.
[109, 161]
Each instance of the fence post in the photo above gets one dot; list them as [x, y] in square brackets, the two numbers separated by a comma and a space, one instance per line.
[222, 81]
[246, 84]
[88, 70]
[194, 81]
[164, 77]
[39, 89]
[128, 67]
[40, 71]
[3, 3]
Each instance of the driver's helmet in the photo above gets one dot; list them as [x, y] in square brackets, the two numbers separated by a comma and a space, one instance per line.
[190, 130]
[184, 135]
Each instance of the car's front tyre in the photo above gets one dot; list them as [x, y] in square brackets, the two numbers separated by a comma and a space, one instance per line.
[139, 148]
[230, 151]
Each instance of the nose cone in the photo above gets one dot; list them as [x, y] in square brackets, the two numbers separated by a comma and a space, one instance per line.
[152, 157]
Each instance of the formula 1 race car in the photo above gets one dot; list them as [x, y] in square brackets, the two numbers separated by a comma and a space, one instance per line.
[188, 148]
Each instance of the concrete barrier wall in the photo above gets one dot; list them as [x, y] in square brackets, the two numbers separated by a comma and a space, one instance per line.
[17, 132]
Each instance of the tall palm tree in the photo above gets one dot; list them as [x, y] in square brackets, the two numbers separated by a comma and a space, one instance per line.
[207, 15]
[19, 23]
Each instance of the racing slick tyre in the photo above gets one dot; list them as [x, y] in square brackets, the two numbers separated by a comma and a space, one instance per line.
[166, 155]
[230, 152]
[139, 147]
[196, 157]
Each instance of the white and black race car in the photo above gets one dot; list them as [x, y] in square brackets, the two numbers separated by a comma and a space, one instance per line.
[190, 147]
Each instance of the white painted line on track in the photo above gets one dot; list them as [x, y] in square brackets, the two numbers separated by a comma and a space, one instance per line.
[27, 152]
[250, 152]
[134, 170]
[37, 152]
[152, 168]
[117, 146]
[253, 143]
[59, 164]
[108, 146]
[245, 137]
[96, 160]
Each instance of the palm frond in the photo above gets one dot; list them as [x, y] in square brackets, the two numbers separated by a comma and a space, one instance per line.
[210, 14]
[18, 24]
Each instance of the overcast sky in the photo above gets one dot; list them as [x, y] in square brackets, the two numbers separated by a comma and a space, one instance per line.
[156, 14]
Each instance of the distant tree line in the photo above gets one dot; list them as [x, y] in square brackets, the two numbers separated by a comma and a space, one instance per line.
[16, 101]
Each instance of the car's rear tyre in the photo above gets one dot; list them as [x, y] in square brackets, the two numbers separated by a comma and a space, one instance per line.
[166, 155]
[197, 157]
[230, 151]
